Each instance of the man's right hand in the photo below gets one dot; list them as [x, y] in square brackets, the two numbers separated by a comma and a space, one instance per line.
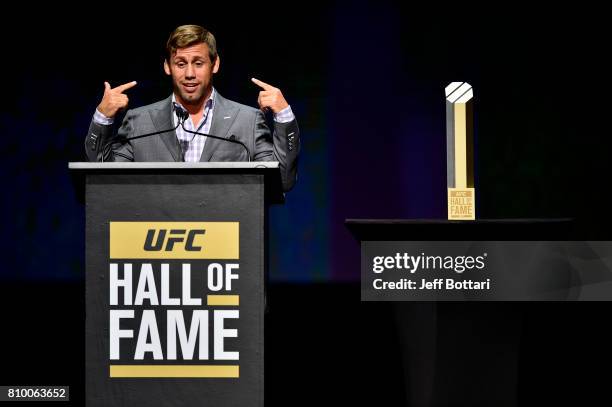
[114, 99]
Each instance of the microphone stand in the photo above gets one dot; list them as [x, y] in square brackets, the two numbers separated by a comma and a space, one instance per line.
[110, 142]
[182, 116]
[231, 139]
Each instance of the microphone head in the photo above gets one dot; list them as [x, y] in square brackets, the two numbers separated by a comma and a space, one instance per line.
[181, 113]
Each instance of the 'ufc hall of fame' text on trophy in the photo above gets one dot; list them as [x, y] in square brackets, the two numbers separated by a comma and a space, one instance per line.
[460, 151]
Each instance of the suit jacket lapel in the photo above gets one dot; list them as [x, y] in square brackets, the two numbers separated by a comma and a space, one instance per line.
[223, 116]
[162, 120]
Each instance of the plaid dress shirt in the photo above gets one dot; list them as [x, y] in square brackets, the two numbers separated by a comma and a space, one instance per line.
[192, 145]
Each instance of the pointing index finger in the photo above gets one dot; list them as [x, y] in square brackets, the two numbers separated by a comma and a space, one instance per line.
[125, 86]
[261, 84]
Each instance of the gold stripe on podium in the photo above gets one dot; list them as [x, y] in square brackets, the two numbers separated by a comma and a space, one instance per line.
[148, 371]
[223, 300]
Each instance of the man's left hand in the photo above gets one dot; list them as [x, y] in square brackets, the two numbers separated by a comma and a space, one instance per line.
[270, 97]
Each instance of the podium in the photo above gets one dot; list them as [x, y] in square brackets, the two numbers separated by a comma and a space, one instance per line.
[462, 352]
[175, 280]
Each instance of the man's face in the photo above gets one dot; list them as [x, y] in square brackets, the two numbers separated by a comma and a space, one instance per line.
[192, 71]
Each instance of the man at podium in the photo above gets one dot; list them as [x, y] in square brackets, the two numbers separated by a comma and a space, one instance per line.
[195, 123]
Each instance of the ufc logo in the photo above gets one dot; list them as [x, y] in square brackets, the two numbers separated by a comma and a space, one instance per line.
[175, 236]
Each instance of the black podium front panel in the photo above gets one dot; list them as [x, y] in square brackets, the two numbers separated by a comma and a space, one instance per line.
[174, 289]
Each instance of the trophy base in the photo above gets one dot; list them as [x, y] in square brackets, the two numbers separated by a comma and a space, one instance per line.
[461, 204]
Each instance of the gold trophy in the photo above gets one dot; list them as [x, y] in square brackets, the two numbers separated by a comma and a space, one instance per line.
[460, 151]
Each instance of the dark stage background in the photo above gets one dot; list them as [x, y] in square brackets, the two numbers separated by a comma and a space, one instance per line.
[366, 81]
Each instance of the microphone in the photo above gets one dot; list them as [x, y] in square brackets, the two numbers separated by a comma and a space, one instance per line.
[109, 144]
[183, 115]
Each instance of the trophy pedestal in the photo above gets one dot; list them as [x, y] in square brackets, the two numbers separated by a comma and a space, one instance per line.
[465, 353]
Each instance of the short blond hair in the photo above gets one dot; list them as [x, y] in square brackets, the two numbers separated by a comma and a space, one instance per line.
[188, 35]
